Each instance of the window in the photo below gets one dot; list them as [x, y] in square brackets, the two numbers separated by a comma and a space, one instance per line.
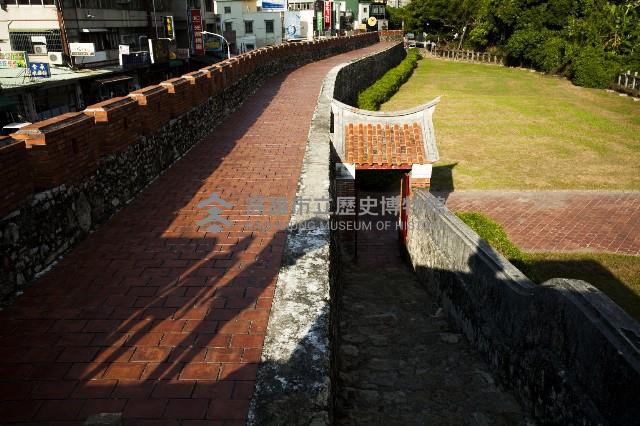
[248, 27]
[208, 5]
[269, 26]
[227, 9]
[228, 26]
[250, 46]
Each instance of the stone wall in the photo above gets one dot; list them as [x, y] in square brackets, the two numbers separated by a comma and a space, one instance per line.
[87, 165]
[354, 79]
[569, 353]
[295, 375]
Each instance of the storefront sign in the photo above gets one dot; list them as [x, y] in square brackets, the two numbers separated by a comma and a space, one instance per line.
[328, 14]
[13, 60]
[39, 70]
[169, 29]
[195, 18]
[82, 49]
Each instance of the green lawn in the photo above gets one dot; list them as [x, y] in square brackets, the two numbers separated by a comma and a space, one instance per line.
[504, 128]
[618, 276]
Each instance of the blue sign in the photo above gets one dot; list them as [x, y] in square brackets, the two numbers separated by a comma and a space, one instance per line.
[39, 70]
[273, 5]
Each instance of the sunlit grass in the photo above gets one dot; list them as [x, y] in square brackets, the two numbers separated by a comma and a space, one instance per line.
[512, 129]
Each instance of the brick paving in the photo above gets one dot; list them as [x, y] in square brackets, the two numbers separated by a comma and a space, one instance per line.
[153, 315]
[599, 221]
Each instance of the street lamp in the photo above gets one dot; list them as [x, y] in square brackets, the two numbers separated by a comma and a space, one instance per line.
[225, 40]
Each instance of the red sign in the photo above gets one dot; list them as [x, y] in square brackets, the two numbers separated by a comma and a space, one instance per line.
[197, 45]
[328, 14]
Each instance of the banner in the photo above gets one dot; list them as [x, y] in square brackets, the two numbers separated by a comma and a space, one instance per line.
[292, 29]
[273, 5]
[328, 14]
[195, 18]
[13, 60]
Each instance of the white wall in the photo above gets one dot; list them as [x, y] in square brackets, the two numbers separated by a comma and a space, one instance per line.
[25, 18]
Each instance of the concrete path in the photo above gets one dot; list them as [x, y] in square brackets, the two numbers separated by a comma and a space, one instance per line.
[399, 361]
[157, 314]
[606, 221]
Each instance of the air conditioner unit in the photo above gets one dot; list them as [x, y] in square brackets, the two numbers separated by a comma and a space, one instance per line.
[55, 58]
[40, 49]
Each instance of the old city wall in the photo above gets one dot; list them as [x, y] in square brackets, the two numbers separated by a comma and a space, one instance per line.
[63, 177]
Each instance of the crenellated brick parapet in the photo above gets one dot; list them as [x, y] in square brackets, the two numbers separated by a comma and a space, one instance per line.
[61, 150]
[66, 148]
[86, 165]
[15, 174]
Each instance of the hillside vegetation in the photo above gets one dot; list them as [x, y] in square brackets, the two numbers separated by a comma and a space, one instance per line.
[589, 41]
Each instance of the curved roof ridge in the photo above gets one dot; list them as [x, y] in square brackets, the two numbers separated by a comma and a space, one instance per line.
[399, 113]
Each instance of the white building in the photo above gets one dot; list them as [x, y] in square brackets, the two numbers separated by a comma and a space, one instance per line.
[246, 27]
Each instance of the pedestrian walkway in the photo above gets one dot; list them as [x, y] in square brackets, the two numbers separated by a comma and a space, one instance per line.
[158, 315]
[399, 361]
[606, 221]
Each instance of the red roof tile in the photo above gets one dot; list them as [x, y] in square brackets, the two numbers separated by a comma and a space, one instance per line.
[384, 144]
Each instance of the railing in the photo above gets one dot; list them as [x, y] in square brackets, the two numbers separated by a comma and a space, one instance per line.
[467, 55]
[629, 83]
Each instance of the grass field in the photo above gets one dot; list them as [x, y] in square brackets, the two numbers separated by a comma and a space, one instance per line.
[504, 128]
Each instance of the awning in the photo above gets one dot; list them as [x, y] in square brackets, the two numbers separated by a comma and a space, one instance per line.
[116, 79]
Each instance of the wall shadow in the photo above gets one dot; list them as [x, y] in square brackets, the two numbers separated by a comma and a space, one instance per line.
[442, 181]
[540, 341]
[590, 271]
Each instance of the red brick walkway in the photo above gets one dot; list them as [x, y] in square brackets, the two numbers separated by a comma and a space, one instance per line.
[562, 220]
[152, 315]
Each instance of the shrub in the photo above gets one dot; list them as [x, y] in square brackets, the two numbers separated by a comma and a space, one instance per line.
[550, 55]
[380, 92]
[521, 46]
[593, 68]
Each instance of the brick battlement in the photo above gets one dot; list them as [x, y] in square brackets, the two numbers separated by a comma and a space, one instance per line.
[66, 148]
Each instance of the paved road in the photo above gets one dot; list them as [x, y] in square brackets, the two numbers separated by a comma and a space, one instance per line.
[154, 315]
[605, 221]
